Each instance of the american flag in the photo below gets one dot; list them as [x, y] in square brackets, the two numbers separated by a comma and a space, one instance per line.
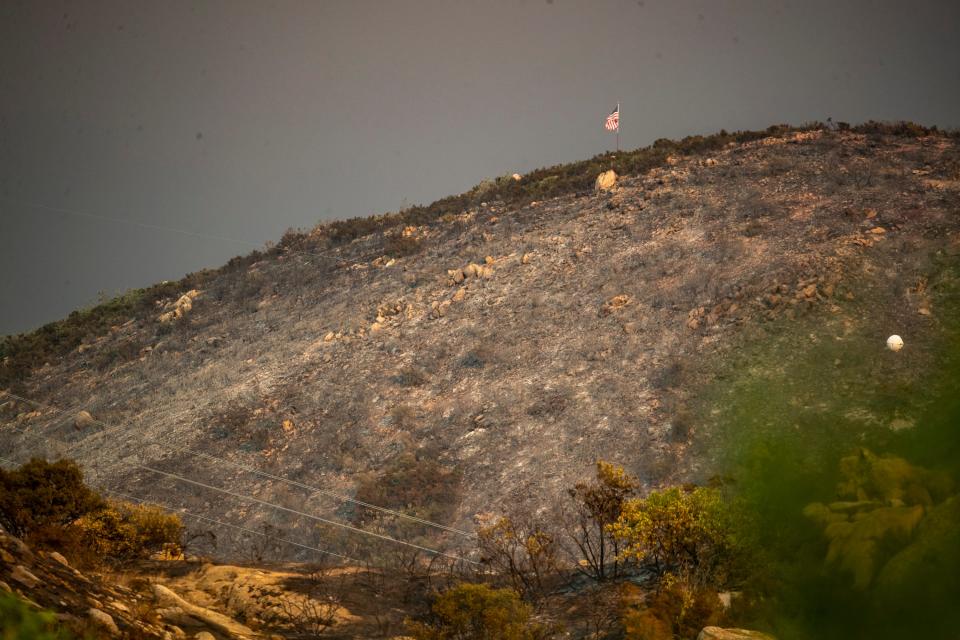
[613, 120]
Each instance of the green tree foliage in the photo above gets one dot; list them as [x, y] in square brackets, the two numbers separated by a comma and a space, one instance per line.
[48, 505]
[121, 532]
[19, 621]
[597, 506]
[477, 612]
[41, 495]
[686, 532]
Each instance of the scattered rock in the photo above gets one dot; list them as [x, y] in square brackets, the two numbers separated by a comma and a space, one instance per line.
[104, 621]
[606, 180]
[526, 258]
[179, 308]
[329, 337]
[83, 420]
[4, 587]
[59, 558]
[439, 309]
[613, 304]
[24, 577]
[204, 635]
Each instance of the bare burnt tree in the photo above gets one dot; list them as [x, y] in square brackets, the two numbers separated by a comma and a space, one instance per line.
[596, 506]
[521, 551]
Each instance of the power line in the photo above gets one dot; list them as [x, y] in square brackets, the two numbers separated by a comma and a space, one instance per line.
[249, 469]
[252, 498]
[184, 512]
[302, 513]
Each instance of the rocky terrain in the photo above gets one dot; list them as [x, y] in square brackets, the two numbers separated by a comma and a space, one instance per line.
[484, 361]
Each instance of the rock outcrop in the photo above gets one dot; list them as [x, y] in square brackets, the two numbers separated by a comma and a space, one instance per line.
[606, 180]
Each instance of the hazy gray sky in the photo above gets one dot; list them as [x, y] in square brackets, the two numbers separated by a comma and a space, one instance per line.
[242, 119]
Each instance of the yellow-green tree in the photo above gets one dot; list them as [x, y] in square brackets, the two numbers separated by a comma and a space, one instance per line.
[683, 531]
[478, 612]
[122, 532]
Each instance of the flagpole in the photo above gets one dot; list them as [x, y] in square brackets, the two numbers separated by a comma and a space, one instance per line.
[618, 126]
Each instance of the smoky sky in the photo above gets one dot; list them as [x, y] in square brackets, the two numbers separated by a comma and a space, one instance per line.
[234, 121]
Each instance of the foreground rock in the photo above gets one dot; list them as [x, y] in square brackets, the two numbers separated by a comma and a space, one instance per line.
[717, 633]
[176, 610]
[84, 603]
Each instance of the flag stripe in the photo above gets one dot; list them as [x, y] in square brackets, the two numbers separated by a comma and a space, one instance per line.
[613, 120]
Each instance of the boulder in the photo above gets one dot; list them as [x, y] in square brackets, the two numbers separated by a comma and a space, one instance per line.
[83, 420]
[59, 558]
[104, 621]
[24, 577]
[606, 180]
[204, 635]
[220, 623]
[718, 633]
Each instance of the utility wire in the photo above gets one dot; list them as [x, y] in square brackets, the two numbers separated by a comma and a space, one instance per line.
[184, 512]
[250, 469]
[252, 498]
[301, 513]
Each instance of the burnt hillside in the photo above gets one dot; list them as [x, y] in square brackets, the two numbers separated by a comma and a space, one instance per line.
[484, 351]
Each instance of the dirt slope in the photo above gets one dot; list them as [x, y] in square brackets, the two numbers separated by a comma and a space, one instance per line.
[584, 330]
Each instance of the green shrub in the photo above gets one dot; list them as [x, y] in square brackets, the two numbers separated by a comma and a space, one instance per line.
[20, 621]
[48, 505]
[122, 532]
[477, 612]
[41, 496]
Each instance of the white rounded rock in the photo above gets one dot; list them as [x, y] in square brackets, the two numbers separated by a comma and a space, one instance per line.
[895, 343]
